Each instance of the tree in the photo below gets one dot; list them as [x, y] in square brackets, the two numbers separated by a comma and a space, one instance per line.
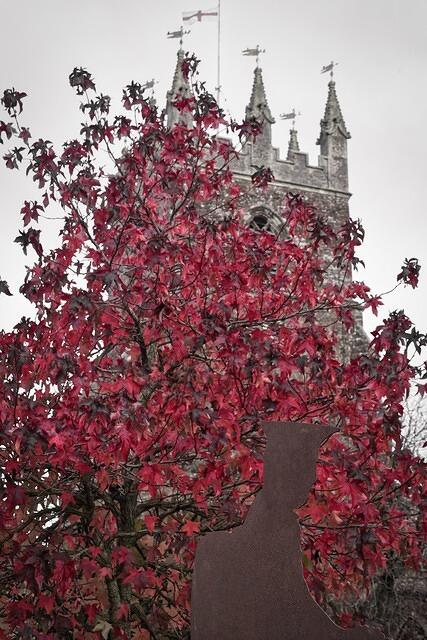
[165, 333]
[398, 598]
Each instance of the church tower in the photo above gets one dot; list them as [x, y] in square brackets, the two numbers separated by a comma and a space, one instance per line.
[323, 185]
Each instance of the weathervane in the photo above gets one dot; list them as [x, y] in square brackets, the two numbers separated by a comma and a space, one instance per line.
[178, 34]
[150, 84]
[292, 115]
[254, 52]
[329, 67]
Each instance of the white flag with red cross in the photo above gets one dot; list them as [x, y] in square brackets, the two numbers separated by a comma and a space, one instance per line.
[189, 17]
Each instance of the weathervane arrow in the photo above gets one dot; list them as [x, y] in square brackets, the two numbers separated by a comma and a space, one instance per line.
[178, 34]
[254, 52]
[329, 67]
[288, 116]
[292, 115]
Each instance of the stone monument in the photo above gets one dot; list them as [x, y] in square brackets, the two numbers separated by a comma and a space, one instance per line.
[248, 583]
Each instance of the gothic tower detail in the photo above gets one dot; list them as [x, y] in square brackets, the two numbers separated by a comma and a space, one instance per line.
[293, 145]
[333, 142]
[180, 89]
[258, 108]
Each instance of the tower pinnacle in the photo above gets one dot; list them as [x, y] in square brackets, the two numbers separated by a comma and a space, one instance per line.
[258, 106]
[333, 119]
[293, 146]
[180, 89]
[333, 142]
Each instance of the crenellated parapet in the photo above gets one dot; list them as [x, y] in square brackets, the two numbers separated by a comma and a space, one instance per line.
[295, 169]
[331, 171]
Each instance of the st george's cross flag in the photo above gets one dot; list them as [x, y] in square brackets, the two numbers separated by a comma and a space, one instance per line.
[189, 17]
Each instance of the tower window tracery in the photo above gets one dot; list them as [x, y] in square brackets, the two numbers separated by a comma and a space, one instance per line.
[261, 220]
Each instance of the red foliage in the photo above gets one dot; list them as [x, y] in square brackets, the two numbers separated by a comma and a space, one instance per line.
[166, 332]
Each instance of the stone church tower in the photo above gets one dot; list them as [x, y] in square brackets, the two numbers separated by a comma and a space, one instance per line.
[324, 186]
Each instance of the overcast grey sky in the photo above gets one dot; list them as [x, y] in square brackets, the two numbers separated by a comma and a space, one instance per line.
[381, 47]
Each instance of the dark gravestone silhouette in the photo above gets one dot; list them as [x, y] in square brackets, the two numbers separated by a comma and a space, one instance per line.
[248, 584]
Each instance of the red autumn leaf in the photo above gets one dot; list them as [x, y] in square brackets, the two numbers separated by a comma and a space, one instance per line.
[190, 528]
[123, 611]
[4, 288]
[410, 272]
[46, 602]
[30, 211]
[150, 523]
[91, 610]
[7, 129]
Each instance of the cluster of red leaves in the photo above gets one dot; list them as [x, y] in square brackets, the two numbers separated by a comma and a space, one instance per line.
[166, 332]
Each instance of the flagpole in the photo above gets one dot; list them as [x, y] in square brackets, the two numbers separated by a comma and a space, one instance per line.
[218, 86]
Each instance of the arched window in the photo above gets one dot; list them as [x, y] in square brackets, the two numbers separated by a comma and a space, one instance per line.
[261, 220]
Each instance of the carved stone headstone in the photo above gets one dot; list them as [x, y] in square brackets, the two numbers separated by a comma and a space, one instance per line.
[248, 583]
